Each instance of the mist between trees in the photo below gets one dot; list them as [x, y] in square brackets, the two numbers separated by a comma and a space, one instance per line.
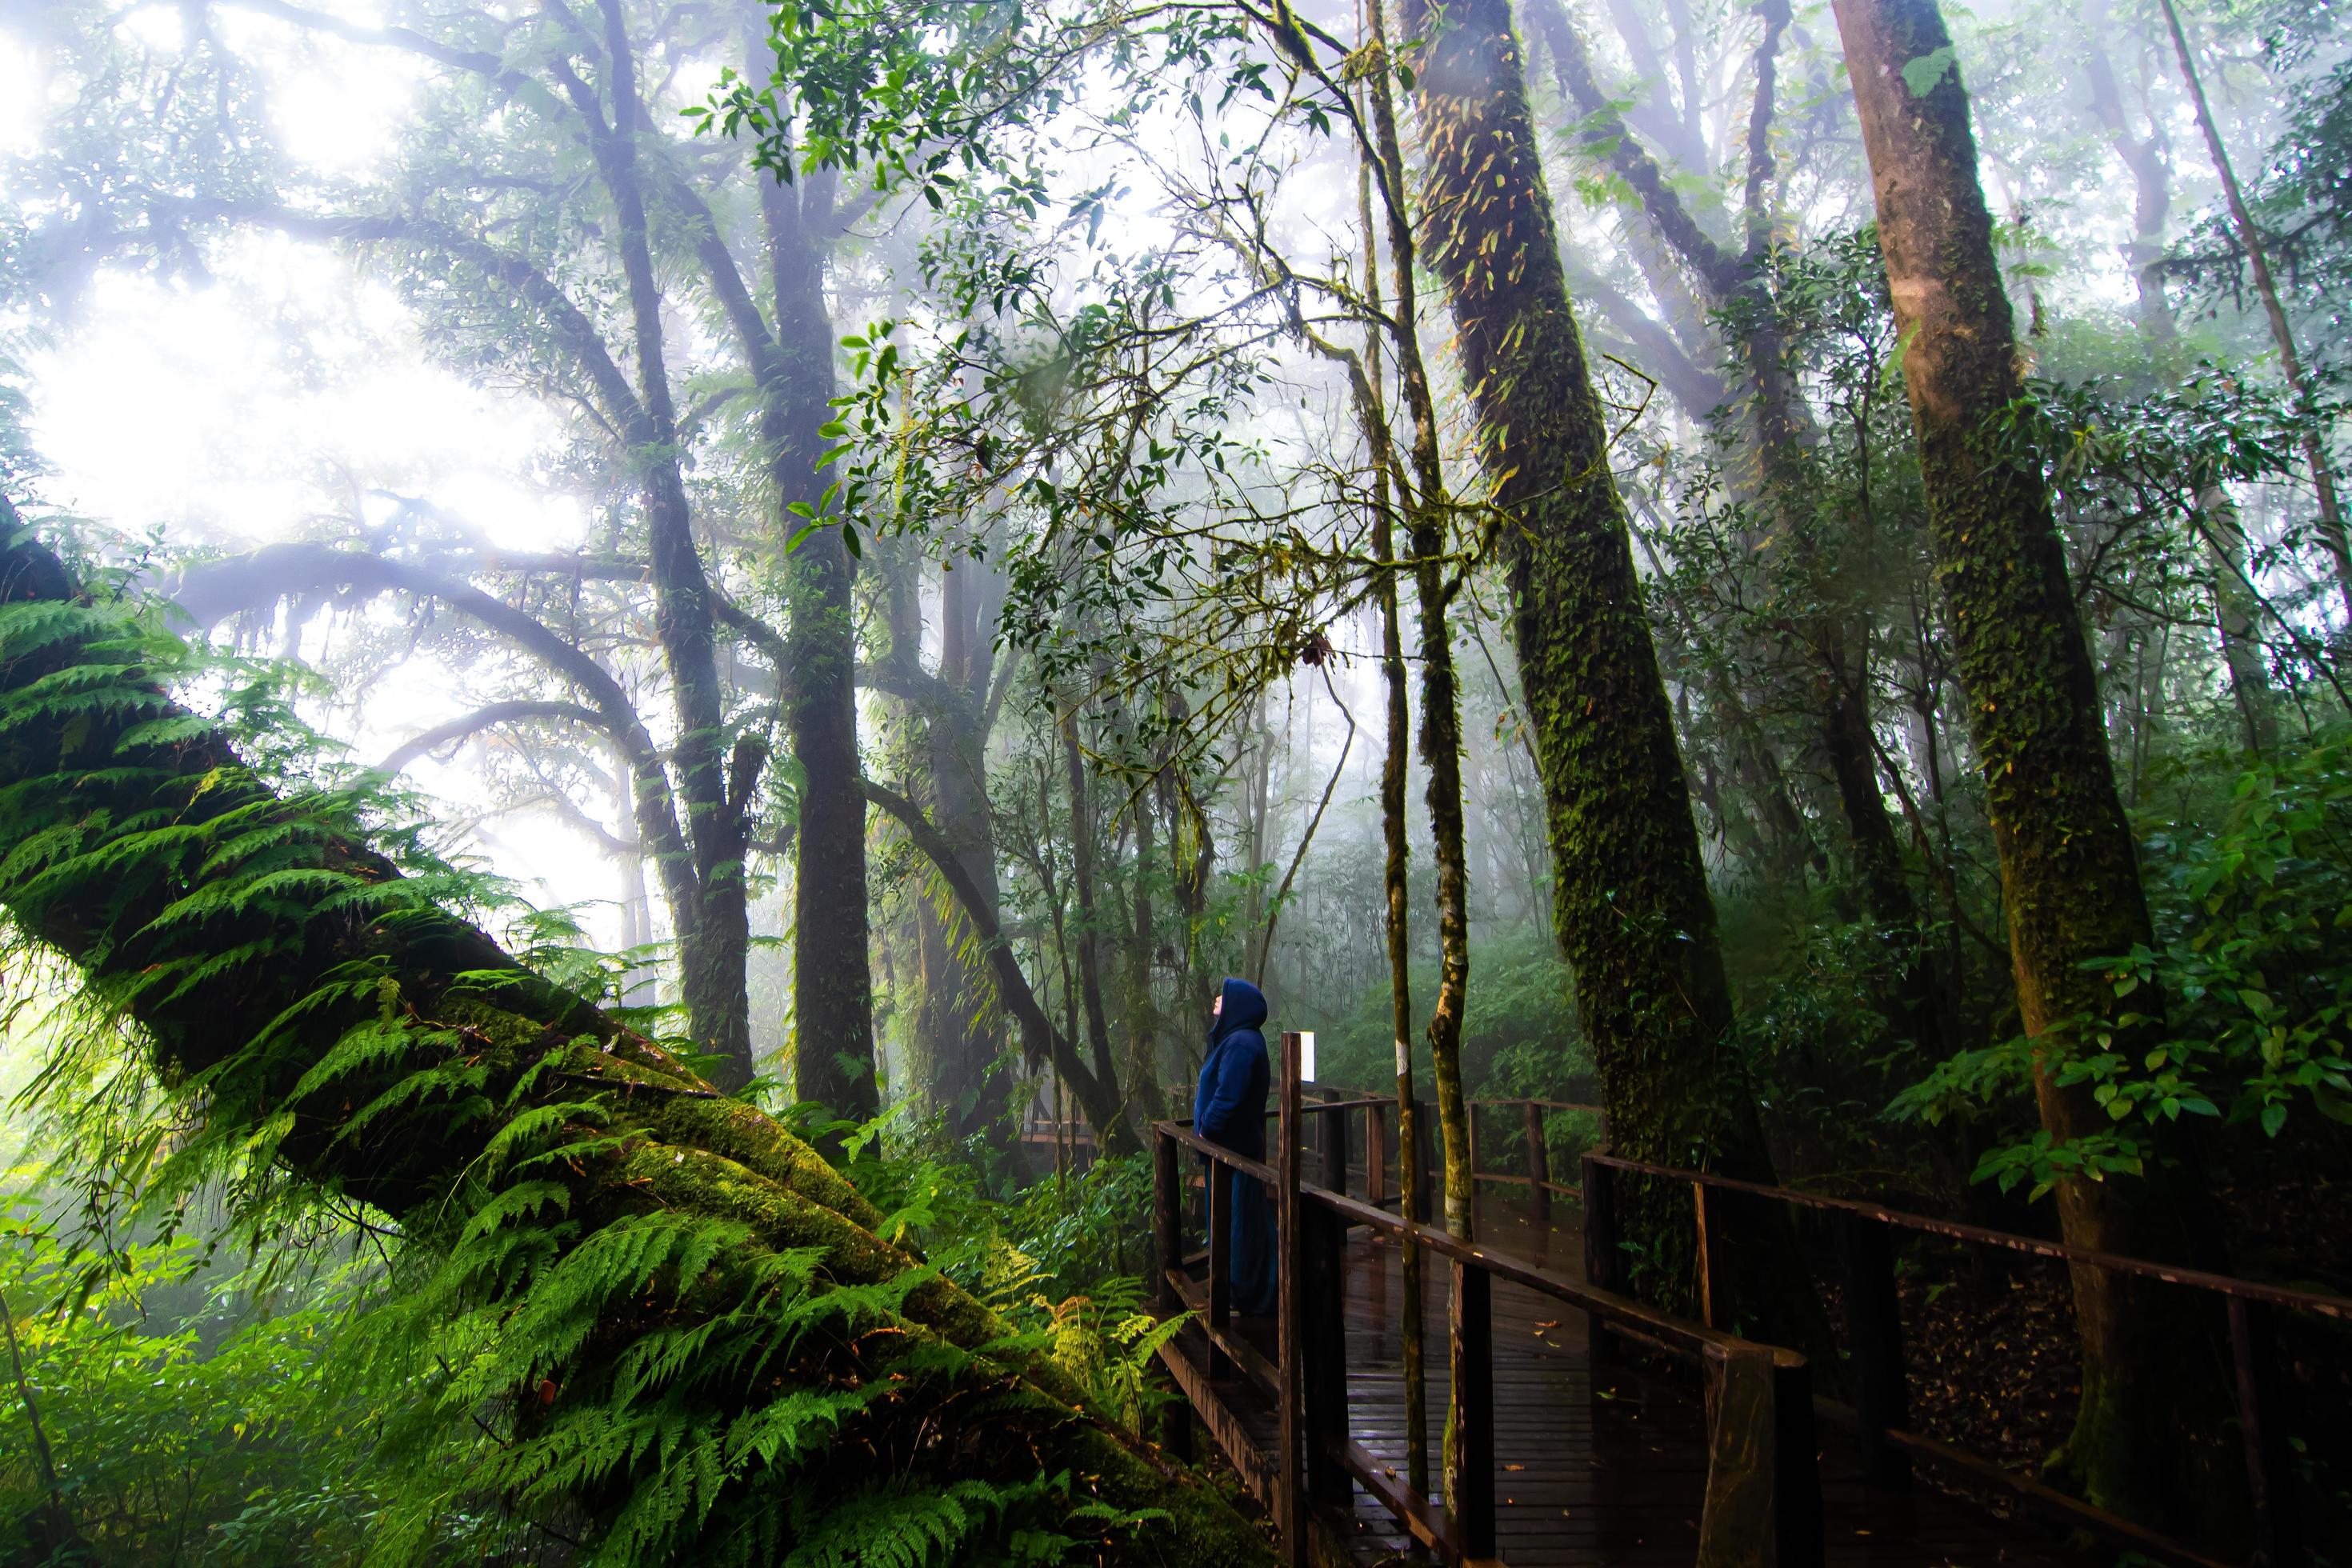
[1776, 569]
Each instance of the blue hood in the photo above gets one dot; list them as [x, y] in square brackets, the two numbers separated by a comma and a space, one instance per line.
[1243, 1008]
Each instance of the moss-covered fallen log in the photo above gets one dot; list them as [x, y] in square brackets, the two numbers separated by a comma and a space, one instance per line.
[683, 1331]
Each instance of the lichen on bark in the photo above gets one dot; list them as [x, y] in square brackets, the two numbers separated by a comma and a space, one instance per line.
[2069, 869]
[1633, 913]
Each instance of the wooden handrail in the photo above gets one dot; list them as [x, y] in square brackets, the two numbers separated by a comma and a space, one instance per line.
[1690, 1340]
[1762, 1481]
[1881, 1410]
[2316, 1302]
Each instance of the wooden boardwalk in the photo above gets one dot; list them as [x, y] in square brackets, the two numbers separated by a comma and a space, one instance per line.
[1605, 1467]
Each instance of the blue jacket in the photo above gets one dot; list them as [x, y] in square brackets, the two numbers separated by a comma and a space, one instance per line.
[1229, 1104]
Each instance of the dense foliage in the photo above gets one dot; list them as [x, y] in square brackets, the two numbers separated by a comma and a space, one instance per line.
[965, 525]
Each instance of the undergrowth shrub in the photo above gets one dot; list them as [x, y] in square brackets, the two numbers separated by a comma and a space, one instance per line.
[2251, 903]
[253, 1449]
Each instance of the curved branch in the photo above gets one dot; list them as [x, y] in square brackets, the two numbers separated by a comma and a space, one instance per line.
[487, 718]
[1038, 1035]
[1606, 137]
[209, 591]
[573, 330]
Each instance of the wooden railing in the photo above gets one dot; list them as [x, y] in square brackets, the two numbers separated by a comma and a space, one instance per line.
[1877, 1371]
[1762, 1481]
[1335, 1148]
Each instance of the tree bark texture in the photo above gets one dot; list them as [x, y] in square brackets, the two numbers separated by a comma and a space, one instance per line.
[833, 997]
[713, 963]
[2069, 873]
[1634, 914]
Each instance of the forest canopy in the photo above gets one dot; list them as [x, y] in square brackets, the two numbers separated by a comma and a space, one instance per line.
[653, 659]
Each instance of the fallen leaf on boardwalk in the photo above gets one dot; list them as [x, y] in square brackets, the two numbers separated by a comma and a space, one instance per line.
[1515, 1466]
[1542, 1327]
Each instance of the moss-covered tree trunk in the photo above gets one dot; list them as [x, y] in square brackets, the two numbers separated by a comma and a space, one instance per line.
[833, 997]
[1396, 849]
[683, 1329]
[1631, 905]
[2069, 876]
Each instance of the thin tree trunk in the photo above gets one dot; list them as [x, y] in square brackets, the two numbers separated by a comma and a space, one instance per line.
[2315, 443]
[1140, 1005]
[2069, 873]
[2148, 159]
[1082, 878]
[1396, 861]
[1427, 502]
[714, 953]
[833, 1000]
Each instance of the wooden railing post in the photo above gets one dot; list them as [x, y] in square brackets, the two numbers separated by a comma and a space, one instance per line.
[1798, 1533]
[1873, 1321]
[1289, 1243]
[1221, 1264]
[2269, 1478]
[1470, 1472]
[1323, 1342]
[1167, 1223]
[1538, 1169]
[1376, 1154]
[1424, 1137]
[1705, 1252]
[1763, 1472]
[1600, 1256]
[1331, 1143]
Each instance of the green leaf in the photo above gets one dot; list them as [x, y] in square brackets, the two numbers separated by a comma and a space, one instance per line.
[1922, 75]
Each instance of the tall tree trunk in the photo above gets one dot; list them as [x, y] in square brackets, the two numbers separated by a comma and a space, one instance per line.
[833, 1000]
[1087, 915]
[1423, 490]
[954, 1037]
[384, 1050]
[968, 1033]
[1441, 753]
[1633, 911]
[1139, 1004]
[2069, 873]
[715, 951]
[1395, 769]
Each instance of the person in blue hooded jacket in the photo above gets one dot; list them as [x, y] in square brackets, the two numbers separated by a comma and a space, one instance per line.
[1229, 1109]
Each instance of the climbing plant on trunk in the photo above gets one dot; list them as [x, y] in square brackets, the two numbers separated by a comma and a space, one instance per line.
[2069, 874]
[1631, 907]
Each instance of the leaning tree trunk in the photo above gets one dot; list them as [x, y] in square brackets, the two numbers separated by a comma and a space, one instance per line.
[2069, 874]
[1633, 911]
[621, 1251]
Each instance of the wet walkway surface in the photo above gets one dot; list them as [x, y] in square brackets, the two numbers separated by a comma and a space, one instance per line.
[1607, 1465]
